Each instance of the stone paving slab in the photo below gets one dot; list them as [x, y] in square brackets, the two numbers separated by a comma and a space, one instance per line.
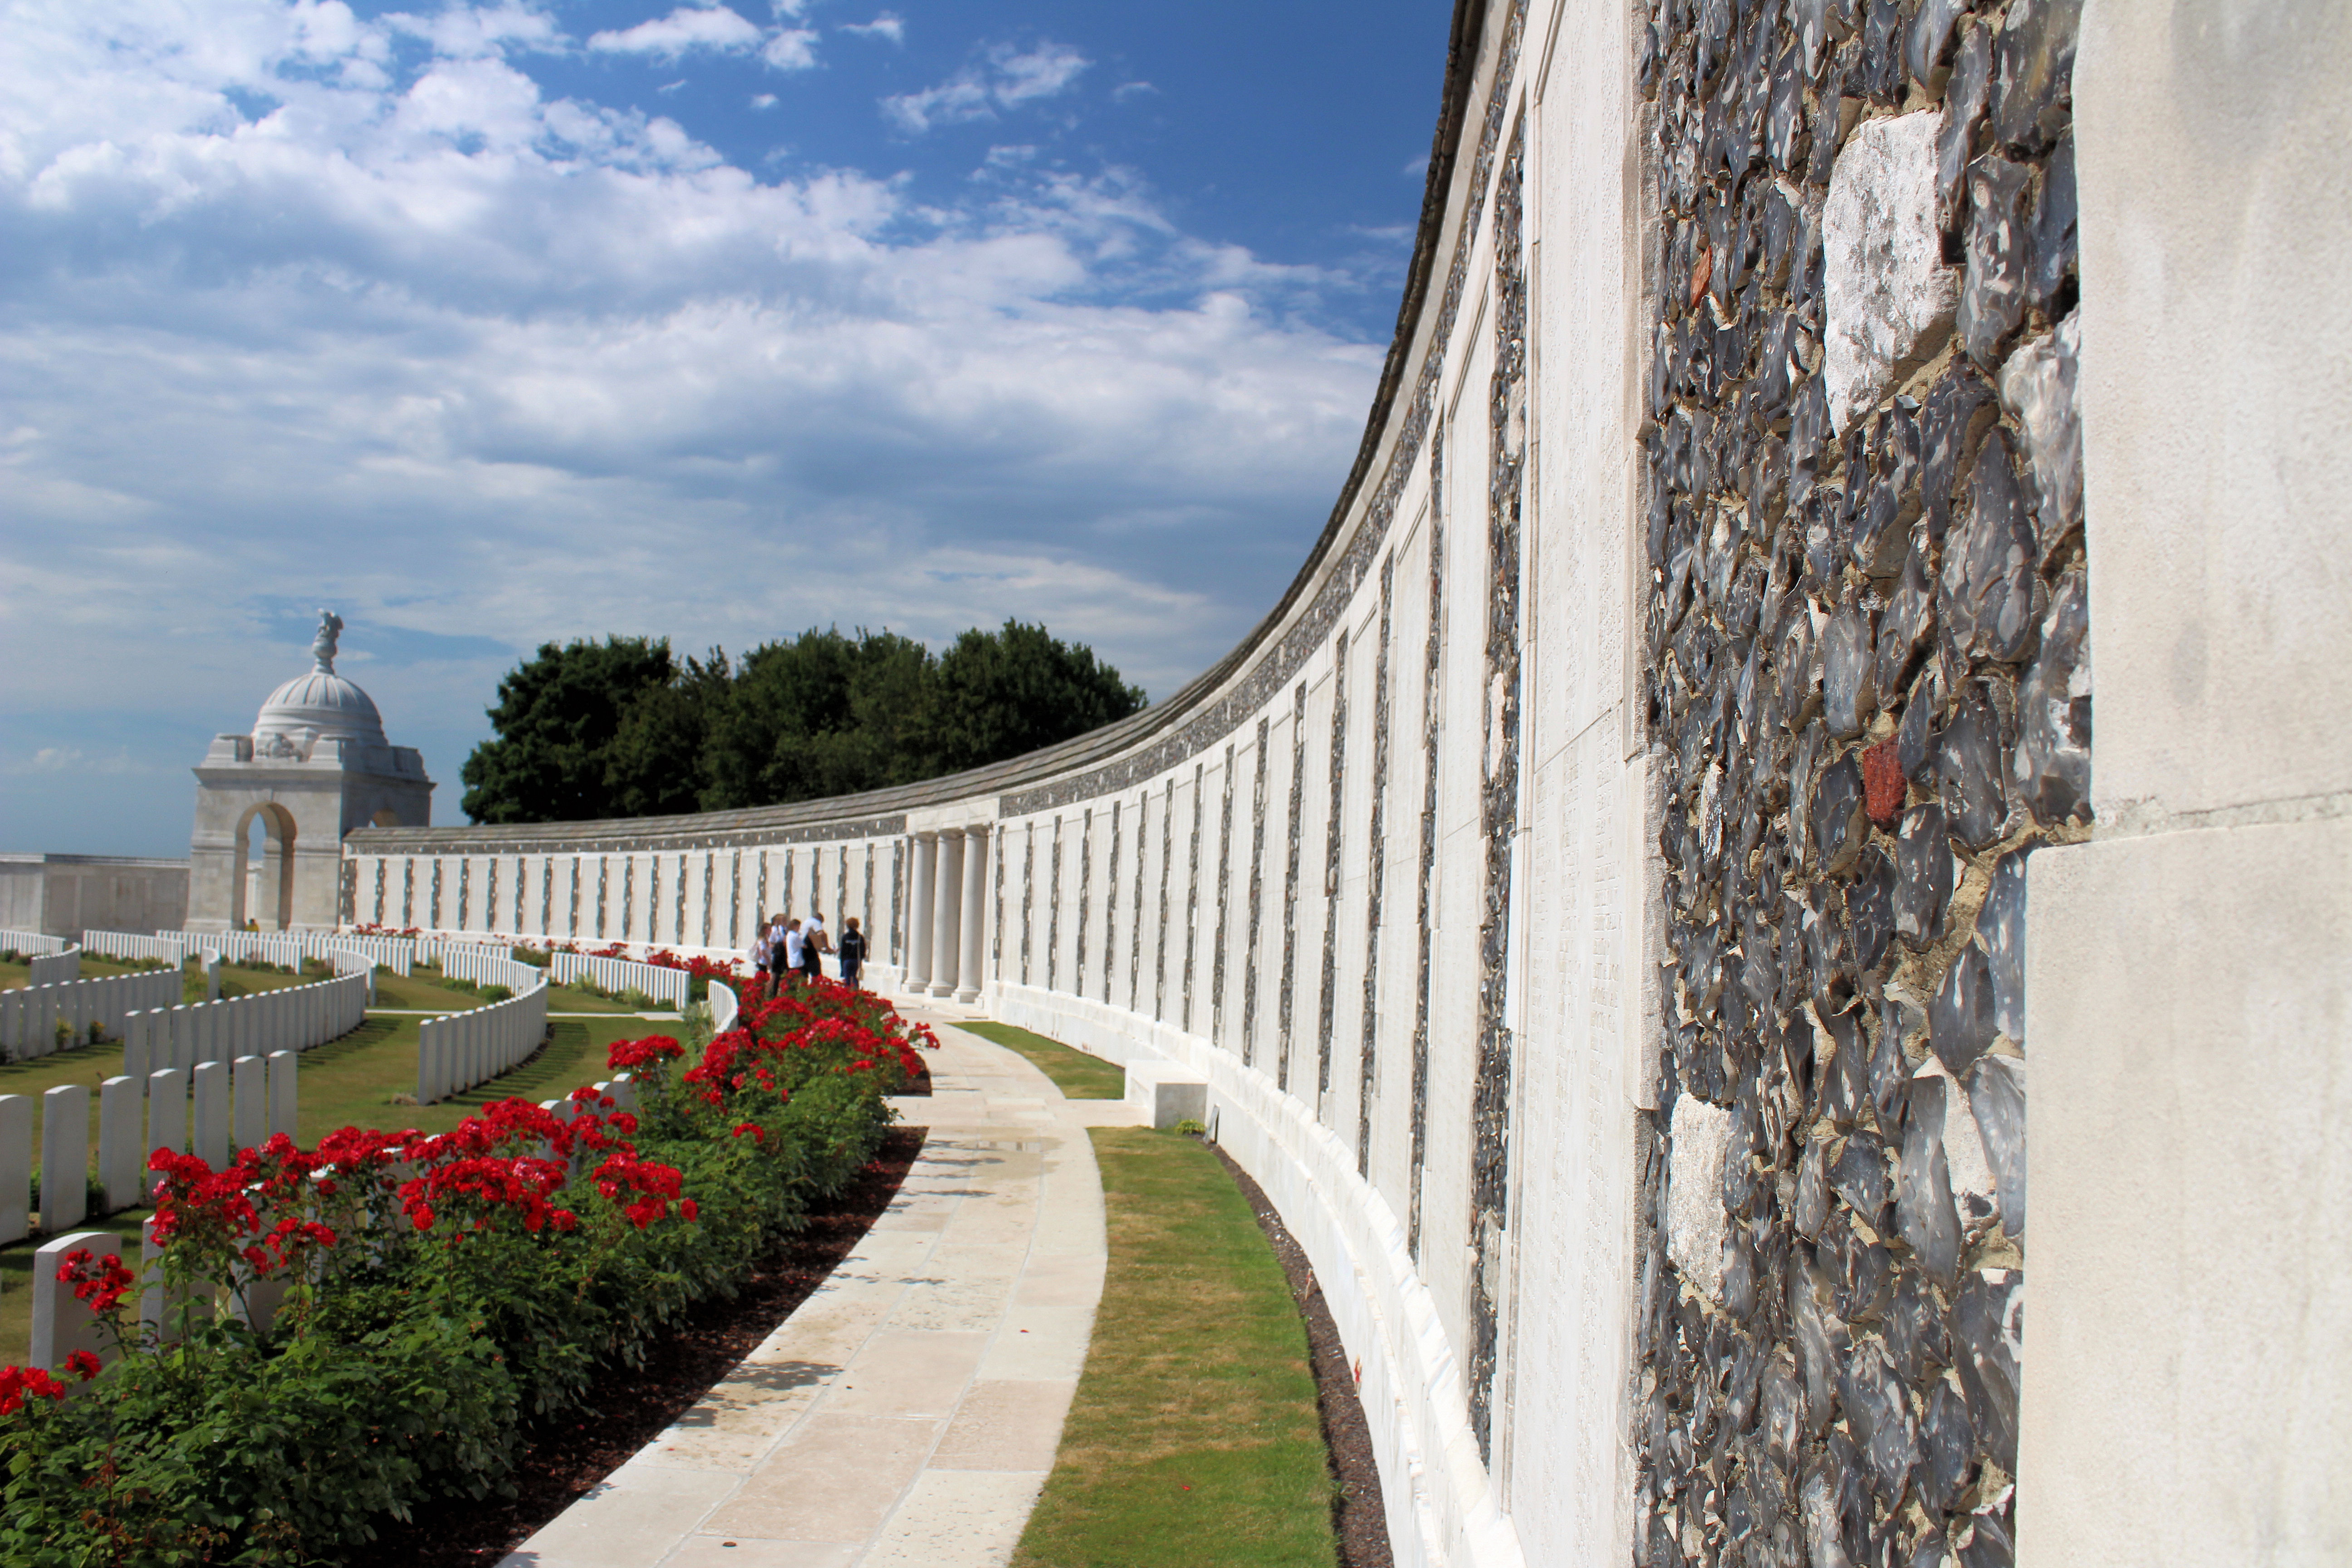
[907, 1412]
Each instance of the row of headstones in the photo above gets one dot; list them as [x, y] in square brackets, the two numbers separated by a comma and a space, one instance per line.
[489, 966]
[456, 1053]
[31, 1018]
[294, 1018]
[167, 948]
[53, 960]
[288, 950]
[622, 975]
[63, 1324]
[240, 1104]
[33, 944]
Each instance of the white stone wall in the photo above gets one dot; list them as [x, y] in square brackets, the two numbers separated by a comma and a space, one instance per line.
[1171, 892]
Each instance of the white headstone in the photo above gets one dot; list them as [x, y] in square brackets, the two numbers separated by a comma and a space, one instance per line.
[65, 1156]
[249, 1087]
[121, 1152]
[15, 1167]
[63, 1322]
[208, 1087]
[285, 1096]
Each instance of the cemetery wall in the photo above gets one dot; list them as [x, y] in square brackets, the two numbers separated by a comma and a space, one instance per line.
[61, 894]
[1610, 896]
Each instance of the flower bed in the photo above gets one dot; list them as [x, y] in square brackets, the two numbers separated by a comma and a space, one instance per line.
[437, 1293]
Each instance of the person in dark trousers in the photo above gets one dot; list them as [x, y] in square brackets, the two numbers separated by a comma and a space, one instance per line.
[814, 945]
[777, 965]
[853, 951]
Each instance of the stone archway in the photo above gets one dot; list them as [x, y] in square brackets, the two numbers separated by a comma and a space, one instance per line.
[263, 891]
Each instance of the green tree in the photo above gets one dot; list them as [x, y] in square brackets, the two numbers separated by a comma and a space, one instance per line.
[621, 728]
[656, 764]
[1005, 693]
[820, 714]
[555, 720]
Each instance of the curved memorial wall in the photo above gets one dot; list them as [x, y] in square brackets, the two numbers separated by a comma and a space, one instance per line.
[1610, 896]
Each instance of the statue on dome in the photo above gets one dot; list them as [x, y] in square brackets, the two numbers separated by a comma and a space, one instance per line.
[322, 647]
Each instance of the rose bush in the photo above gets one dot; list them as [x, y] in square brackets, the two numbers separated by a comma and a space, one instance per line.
[337, 1335]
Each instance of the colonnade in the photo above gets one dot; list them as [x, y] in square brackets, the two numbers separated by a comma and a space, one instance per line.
[945, 915]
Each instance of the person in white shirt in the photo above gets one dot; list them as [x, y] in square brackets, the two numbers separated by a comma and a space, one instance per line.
[795, 947]
[814, 943]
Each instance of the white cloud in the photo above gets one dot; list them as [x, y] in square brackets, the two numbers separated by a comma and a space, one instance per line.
[683, 30]
[792, 49]
[1130, 89]
[1002, 78]
[483, 367]
[76, 762]
[763, 100]
[884, 25]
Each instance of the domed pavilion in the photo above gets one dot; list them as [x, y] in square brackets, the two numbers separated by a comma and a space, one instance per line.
[315, 766]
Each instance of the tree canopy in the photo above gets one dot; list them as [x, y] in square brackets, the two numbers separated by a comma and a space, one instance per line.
[624, 728]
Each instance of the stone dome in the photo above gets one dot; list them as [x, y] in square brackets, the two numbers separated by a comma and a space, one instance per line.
[319, 705]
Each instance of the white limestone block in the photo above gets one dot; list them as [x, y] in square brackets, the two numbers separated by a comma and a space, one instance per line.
[1888, 296]
[1696, 1221]
[1168, 1093]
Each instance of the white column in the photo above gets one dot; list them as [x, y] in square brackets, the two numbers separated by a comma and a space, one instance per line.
[975, 890]
[946, 912]
[918, 913]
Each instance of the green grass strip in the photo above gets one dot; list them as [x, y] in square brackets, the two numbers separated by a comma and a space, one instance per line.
[1079, 1075]
[1194, 1436]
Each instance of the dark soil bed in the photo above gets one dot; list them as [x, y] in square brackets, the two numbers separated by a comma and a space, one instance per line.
[562, 1461]
[1357, 1517]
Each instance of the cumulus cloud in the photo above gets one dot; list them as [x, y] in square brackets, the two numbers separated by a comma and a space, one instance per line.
[294, 311]
[1004, 77]
[683, 30]
[791, 50]
[884, 25]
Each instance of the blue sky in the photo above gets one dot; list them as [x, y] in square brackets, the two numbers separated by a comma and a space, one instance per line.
[490, 324]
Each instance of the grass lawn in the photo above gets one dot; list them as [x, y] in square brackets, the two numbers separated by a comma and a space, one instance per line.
[1194, 1436]
[1080, 1075]
[12, 975]
[346, 1082]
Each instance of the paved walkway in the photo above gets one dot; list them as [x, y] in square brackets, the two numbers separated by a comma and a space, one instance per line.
[907, 1412]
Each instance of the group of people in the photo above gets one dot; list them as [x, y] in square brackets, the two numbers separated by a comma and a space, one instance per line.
[786, 949]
